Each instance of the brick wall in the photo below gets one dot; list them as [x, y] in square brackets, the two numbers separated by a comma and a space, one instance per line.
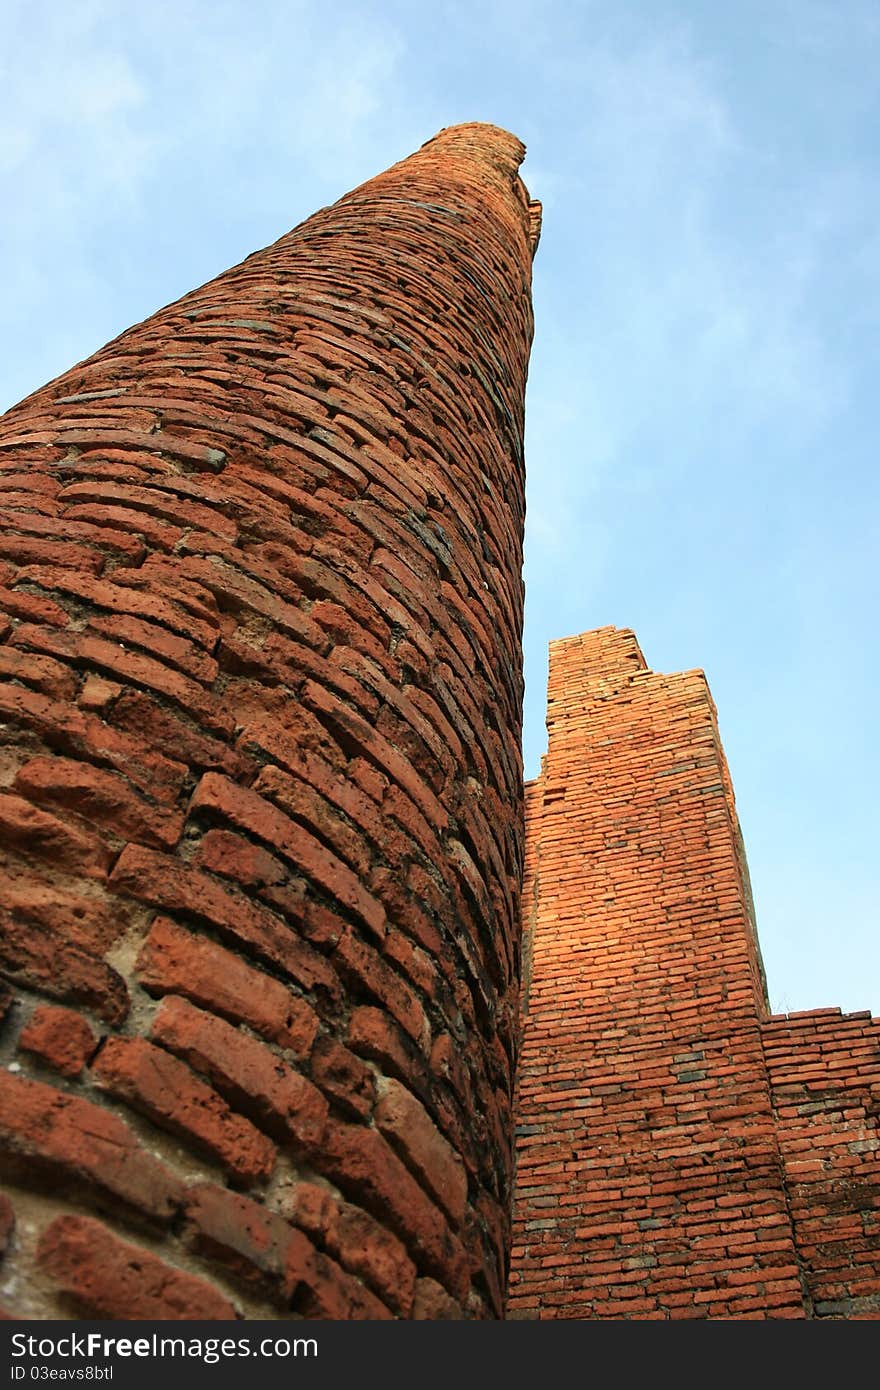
[260, 783]
[824, 1070]
[679, 1154]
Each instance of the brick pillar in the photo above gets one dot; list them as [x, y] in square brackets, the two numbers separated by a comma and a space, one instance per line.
[650, 1180]
[260, 683]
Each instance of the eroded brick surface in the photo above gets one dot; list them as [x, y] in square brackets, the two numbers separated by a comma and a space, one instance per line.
[260, 792]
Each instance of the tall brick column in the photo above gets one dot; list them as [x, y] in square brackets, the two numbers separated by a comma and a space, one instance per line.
[680, 1153]
[260, 804]
[649, 1173]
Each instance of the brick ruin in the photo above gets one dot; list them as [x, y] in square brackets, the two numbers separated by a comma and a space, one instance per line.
[681, 1153]
[262, 829]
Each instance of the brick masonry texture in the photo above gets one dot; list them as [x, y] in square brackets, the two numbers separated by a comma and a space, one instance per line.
[680, 1153]
[260, 776]
[267, 902]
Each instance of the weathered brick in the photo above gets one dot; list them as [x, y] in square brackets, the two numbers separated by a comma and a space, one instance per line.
[324, 1290]
[372, 1034]
[356, 960]
[7, 1223]
[232, 856]
[45, 674]
[110, 1278]
[32, 608]
[68, 729]
[38, 833]
[72, 1144]
[252, 813]
[360, 1162]
[252, 1077]
[158, 642]
[254, 1245]
[99, 796]
[33, 550]
[343, 1077]
[154, 501]
[167, 1092]
[255, 549]
[433, 1304]
[80, 915]
[111, 658]
[57, 527]
[141, 717]
[360, 1243]
[136, 523]
[176, 961]
[60, 1038]
[663, 1160]
[413, 1134]
[97, 694]
[35, 956]
[168, 883]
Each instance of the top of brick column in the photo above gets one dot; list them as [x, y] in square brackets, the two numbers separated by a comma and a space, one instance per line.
[486, 153]
[261, 703]
[589, 666]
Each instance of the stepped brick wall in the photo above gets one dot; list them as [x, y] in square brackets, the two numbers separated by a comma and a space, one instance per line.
[680, 1153]
[260, 777]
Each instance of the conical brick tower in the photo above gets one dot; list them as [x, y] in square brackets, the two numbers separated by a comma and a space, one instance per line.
[260, 805]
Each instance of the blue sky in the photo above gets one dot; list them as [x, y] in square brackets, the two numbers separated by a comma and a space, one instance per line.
[701, 438]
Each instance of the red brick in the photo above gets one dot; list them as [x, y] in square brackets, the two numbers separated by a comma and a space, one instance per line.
[372, 1034]
[33, 608]
[127, 667]
[176, 961]
[232, 856]
[60, 1038]
[324, 1290]
[141, 717]
[254, 1245]
[363, 1166]
[35, 956]
[91, 922]
[158, 642]
[136, 523]
[343, 1077]
[97, 694]
[357, 961]
[52, 527]
[413, 1134]
[33, 550]
[45, 674]
[252, 813]
[50, 1137]
[268, 738]
[153, 501]
[99, 796]
[167, 1092]
[105, 1277]
[252, 1077]
[239, 591]
[38, 833]
[412, 962]
[261, 482]
[359, 1242]
[166, 882]
[378, 750]
[66, 728]
[319, 814]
